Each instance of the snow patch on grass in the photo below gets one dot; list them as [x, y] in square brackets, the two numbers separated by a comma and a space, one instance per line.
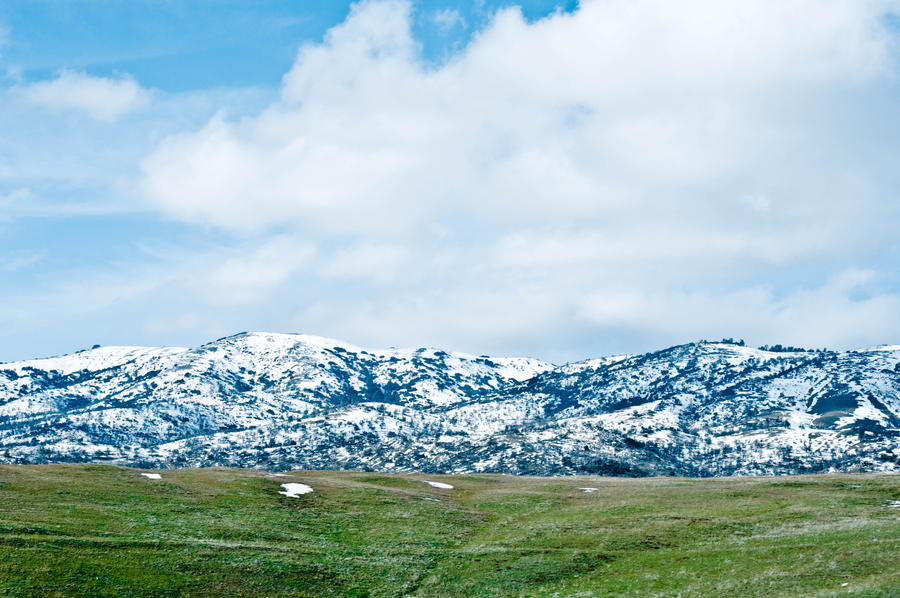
[439, 485]
[152, 476]
[294, 490]
[589, 490]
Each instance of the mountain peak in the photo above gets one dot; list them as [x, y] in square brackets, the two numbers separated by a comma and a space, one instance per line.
[296, 400]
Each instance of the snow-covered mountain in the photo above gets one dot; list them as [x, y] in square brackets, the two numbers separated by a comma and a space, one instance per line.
[286, 400]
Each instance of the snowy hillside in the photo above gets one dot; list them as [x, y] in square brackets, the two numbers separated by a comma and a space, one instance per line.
[284, 400]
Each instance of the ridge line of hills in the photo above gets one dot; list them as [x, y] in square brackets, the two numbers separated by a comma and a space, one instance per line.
[281, 401]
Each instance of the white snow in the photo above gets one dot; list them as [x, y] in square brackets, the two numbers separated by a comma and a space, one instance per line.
[894, 504]
[864, 411]
[152, 476]
[589, 490]
[879, 348]
[771, 416]
[439, 485]
[357, 415]
[97, 359]
[294, 490]
[521, 368]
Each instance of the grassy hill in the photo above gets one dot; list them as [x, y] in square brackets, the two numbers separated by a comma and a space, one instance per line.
[107, 531]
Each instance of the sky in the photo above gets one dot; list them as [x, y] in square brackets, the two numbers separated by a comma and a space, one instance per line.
[554, 179]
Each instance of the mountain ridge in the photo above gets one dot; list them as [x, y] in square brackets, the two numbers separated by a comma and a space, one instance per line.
[279, 401]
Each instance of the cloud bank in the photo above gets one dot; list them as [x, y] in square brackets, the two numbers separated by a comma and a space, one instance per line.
[639, 171]
[628, 175]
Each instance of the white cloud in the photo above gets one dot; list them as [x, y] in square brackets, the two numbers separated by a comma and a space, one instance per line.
[635, 173]
[827, 315]
[527, 317]
[447, 18]
[250, 275]
[655, 244]
[102, 98]
[380, 262]
[638, 104]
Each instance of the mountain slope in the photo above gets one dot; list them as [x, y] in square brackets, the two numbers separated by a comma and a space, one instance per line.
[281, 401]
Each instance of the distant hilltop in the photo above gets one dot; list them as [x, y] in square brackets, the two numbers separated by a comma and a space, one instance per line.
[280, 401]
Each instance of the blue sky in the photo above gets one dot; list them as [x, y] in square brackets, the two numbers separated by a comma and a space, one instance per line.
[180, 46]
[535, 178]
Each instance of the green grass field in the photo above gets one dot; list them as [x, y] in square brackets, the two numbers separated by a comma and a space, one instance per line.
[107, 531]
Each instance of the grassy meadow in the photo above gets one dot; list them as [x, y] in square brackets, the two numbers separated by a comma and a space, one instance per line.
[91, 530]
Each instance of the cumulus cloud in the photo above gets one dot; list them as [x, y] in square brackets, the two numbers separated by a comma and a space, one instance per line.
[632, 163]
[102, 98]
[620, 102]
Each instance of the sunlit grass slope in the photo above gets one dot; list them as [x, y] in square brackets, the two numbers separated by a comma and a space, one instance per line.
[108, 531]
